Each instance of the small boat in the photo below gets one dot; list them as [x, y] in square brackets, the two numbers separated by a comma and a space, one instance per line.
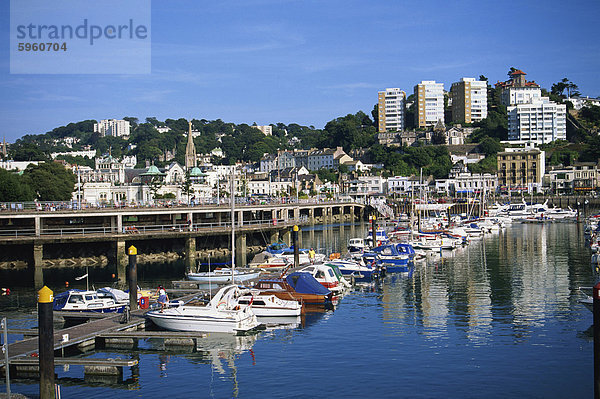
[326, 276]
[381, 236]
[298, 286]
[356, 245]
[78, 301]
[272, 262]
[223, 275]
[394, 257]
[354, 268]
[221, 314]
[277, 248]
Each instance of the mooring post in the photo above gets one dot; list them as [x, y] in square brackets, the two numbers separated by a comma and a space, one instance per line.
[296, 251]
[374, 230]
[5, 350]
[46, 342]
[596, 295]
[132, 252]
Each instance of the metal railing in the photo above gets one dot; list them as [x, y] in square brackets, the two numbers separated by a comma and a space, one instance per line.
[54, 206]
[145, 229]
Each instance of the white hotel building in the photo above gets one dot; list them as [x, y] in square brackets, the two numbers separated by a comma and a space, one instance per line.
[429, 103]
[531, 117]
[540, 121]
[391, 104]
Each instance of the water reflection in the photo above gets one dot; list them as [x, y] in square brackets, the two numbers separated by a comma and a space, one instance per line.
[519, 278]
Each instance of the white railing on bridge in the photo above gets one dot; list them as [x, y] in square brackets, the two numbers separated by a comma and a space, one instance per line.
[53, 206]
[146, 229]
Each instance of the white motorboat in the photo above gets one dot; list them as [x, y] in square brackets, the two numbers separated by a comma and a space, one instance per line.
[221, 314]
[224, 275]
[78, 301]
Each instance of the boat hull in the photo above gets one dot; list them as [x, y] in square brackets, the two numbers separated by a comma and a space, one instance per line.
[196, 321]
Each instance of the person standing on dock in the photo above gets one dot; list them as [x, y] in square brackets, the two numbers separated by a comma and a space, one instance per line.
[311, 256]
[162, 297]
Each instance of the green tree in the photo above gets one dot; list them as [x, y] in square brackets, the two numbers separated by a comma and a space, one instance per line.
[50, 181]
[133, 122]
[186, 186]
[154, 185]
[490, 146]
[375, 115]
[13, 187]
[24, 151]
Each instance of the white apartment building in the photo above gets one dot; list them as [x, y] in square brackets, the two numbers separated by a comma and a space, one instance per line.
[325, 158]
[429, 103]
[391, 105]
[521, 95]
[268, 187]
[469, 100]
[89, 153]
[112, 127]
[266, 129]
[540, 121]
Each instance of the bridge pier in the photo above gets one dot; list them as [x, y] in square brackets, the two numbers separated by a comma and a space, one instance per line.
[38, 271]
[287, 237]
[190, 254]
[240, 250]
[121, 261]
[38, 226]
[240, 218]
[311, 215]
[274, 236]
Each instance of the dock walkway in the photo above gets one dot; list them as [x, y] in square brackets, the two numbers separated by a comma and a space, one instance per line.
[77, 334]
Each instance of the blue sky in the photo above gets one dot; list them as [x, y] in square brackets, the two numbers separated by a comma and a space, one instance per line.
[309, 61]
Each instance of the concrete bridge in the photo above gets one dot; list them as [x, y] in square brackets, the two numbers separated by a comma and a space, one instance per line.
[37, 241]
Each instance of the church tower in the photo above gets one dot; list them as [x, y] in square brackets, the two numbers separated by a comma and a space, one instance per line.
[190, 150]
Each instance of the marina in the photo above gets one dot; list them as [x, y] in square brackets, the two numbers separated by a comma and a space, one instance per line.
[502, 310]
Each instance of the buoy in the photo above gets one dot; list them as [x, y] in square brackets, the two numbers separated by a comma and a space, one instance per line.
[66, 283]
[113, 275]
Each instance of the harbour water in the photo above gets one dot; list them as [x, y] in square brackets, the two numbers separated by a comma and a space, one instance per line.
[498, 318]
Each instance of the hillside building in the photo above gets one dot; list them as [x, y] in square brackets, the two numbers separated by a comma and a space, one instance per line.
[391, 106]
[521, 169]
[469, 100]
[429, 103]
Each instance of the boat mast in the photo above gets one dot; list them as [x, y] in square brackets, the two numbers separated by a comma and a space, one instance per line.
[232, 191]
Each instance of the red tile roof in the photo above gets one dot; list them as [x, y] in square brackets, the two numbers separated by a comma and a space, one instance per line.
[517, 72]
